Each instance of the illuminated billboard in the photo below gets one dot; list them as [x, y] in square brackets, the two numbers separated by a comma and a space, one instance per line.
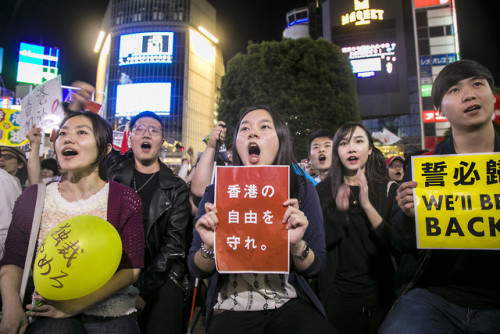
[37, 63]
[148, 47]
[368, 59]
[132, 99]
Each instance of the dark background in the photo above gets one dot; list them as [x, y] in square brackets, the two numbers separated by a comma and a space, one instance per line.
[73, 26]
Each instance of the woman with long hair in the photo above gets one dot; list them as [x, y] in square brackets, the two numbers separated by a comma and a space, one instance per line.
[83, 142]
[356, 198]
[260, 302]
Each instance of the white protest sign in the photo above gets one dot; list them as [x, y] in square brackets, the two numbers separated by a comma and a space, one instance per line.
[42, 107]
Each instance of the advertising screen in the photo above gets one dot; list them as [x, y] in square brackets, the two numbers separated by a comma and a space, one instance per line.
[370, 60]
[37, 63]
[149, 47]
[132, 99]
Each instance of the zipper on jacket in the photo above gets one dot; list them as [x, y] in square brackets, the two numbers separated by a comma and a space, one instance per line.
[151, 226]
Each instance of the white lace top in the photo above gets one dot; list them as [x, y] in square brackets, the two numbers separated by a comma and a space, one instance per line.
[55, 210]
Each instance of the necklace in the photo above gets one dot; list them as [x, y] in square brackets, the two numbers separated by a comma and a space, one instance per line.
[135, 186]
[354, 198]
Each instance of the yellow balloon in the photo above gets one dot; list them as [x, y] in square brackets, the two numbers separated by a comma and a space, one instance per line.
[76, 258]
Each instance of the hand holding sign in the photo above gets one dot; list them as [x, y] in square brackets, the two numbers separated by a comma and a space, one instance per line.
[76, 258]
[404, 198]
[82, 96]
[207, 224]
[35, 136]
[296, 221]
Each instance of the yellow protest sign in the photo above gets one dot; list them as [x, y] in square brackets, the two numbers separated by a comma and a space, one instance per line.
[9, 128]
[457, 201]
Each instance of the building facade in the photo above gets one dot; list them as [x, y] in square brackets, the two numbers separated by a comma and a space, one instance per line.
[161, 56]
[396, 49]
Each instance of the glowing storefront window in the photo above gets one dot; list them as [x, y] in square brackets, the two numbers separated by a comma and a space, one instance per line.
[201, 46]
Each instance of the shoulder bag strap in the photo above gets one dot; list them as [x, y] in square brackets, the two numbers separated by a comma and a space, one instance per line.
[40, 198]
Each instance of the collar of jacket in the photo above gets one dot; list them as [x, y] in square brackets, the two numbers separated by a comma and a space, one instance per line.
[446, 146]
[168, 179]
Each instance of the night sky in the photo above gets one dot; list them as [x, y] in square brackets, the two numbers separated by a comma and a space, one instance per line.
[73, 26]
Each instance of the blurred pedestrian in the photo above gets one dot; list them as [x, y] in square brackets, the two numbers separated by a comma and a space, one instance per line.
[319, 149]
[396, 168]
[13, 161]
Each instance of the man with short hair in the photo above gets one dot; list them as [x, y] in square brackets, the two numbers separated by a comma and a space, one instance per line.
[396, 168]
[166, 213]
[449, 291]
[319, 149]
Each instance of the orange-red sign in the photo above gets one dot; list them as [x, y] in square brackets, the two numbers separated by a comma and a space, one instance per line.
[432, 116]
[251, 236]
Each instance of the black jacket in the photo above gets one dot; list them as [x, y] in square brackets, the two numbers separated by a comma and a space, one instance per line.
[415, 261]
[167, 224]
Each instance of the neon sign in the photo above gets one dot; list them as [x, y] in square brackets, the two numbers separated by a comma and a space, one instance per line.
[426, 90]
[432, 116]
[362, 14]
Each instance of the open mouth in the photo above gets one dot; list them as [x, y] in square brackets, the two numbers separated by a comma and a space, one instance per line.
[398, 174]
[146, 146]
[352, 159]
[253, 153]
[69, 153]
[321, 158]
[473, 108]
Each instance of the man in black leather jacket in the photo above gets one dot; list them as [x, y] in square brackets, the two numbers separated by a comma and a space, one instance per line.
[165, 199]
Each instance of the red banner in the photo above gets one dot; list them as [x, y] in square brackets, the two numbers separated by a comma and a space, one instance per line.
[428, 3]
[251, 237]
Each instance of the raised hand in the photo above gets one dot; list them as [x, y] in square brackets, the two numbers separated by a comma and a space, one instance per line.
[404, 197]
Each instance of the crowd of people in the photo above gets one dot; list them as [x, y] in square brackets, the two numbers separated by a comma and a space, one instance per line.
[354, 262]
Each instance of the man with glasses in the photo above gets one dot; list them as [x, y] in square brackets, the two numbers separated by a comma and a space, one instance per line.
[166, 210]
[396, 168]
[166, 215]
[13, 161]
